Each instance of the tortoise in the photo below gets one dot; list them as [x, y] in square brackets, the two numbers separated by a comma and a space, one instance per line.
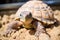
[33, 14]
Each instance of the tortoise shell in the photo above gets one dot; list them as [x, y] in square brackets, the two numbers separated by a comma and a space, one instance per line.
[39, 10]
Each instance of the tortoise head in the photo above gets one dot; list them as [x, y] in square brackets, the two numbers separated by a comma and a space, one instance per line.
[26, 17]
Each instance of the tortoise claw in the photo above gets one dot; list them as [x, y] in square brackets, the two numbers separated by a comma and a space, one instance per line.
[38, 32]
[7, 33]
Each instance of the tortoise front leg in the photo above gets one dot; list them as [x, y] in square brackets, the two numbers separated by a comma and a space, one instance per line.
[39, 29]
[10, 26]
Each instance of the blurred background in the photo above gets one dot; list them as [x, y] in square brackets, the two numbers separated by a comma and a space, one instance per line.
[13, 5]
[16, 1]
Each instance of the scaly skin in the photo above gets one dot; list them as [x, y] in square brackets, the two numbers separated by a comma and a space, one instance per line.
[10, 26]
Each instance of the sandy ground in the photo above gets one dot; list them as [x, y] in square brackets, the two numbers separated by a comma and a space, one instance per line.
[53, 32]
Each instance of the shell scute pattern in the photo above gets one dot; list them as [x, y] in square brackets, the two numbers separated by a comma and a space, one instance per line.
[39, 10]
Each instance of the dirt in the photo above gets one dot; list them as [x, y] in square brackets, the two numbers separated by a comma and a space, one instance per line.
[53, 32]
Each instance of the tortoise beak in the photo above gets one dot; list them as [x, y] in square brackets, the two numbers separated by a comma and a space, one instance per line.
[17, 19]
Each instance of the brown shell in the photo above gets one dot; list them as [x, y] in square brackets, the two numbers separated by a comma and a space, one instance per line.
[39, 10]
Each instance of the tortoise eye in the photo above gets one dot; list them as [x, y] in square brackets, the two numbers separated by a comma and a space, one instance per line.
[20, 15]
